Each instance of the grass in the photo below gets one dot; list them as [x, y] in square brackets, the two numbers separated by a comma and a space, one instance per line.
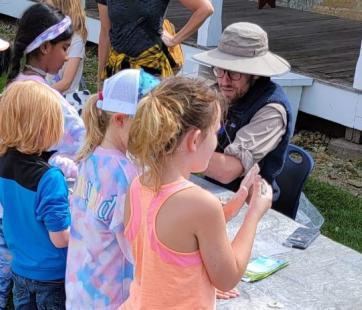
[341, 210]
[90, 67]
[359, 165]
[2, 82]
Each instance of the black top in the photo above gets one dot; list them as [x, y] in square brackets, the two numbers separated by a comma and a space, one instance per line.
[24, 169]
[127, 36]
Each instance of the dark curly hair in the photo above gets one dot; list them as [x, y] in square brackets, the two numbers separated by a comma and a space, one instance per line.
[35, 20]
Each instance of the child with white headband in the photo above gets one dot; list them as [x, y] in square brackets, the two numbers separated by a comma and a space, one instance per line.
[99, 269]
[43, 37]
[68, 80]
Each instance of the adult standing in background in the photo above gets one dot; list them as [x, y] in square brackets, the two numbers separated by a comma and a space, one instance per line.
[125, 42]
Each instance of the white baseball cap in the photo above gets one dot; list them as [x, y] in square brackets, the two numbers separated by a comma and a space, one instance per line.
[4, 45]
[122, 91]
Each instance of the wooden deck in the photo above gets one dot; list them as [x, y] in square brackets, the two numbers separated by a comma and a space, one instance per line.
[321, 46]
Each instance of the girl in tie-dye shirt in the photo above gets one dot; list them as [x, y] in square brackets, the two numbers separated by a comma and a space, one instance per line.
[99, 266]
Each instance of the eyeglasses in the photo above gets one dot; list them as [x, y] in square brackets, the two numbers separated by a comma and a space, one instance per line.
[219, 73]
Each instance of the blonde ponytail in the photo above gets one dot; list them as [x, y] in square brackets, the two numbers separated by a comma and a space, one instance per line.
[74, 9]
[164, 116]
[96, 123]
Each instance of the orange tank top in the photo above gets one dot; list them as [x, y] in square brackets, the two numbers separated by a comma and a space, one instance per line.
[164, 278]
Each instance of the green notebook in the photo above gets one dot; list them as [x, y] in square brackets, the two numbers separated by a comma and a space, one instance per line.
[262, 267]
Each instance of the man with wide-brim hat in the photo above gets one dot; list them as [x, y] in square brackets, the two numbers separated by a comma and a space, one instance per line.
[257, 126]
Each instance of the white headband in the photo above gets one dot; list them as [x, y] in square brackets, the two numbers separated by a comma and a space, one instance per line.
[49, 34]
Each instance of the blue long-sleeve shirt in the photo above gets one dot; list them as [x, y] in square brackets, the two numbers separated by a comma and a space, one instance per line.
[34, 197]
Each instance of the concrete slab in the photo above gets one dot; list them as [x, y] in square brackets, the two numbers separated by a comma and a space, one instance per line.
[345, 149]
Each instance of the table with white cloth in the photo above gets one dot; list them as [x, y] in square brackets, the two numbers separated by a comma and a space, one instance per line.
[327, 275]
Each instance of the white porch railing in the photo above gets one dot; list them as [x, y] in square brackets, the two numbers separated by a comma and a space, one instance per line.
[357, 82]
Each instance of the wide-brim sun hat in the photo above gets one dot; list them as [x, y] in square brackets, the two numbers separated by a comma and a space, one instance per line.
[243, 48]
[4, 45]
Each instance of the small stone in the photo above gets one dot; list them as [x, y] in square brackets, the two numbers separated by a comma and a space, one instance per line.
[275, 305]
[297, 140]
[352, 170]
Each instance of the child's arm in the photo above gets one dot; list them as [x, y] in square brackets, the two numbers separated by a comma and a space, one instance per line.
[74, 131]
[225, 262]
[60, 239]
[233, 206]
[76, 53]
[125, 246]
[117, 224]
[70, 70]
[52, 207]
[64, 163]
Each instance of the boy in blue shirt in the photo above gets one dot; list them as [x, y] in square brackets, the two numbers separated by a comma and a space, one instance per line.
[5, 257]
[33, 194]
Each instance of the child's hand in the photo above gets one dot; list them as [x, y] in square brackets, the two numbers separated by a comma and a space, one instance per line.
[261, 199]
[227, 295]
[237, 201]
[249, 178]
[247, 182]
[67, 165]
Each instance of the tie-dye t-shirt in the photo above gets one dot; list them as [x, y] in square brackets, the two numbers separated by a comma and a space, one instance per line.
[99, 269]
[74, 129]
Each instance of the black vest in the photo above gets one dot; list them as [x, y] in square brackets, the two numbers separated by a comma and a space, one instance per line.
[263, 92]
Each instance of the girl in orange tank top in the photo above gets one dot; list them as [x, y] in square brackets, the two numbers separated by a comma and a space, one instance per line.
[176, 229]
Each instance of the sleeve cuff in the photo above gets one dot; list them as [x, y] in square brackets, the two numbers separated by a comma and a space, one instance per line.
[245, 157]
[56, 226]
